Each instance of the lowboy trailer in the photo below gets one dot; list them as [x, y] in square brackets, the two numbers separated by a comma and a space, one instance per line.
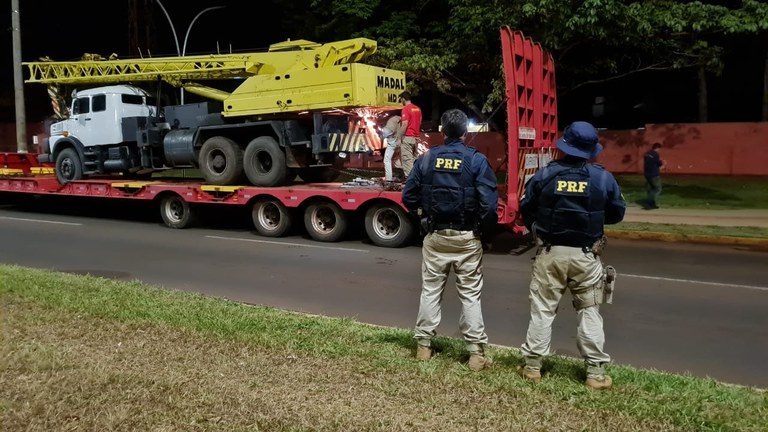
[327, 209]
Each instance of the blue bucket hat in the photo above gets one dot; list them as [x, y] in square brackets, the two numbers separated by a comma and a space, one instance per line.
[580, 139]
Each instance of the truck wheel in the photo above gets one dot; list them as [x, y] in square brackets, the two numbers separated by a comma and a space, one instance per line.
[325, 222]
[221, 161]
[176, 212]
[69, 167]
[319, 175]
[388, 225]
[265, 162]
[271, 218]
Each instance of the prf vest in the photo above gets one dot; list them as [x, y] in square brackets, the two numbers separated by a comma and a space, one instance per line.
[448, 191]
[571, 207]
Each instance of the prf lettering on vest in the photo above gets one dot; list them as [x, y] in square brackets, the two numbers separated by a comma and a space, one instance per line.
[448, 164]
[571, 186]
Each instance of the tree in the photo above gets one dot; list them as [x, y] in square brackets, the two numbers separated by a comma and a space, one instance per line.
[452, 47]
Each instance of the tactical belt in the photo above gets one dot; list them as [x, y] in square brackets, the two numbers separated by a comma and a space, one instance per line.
[452, 226]
[586, 249]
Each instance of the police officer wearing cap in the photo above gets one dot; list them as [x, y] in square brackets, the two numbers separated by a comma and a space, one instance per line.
[452, 189]
[566, 205]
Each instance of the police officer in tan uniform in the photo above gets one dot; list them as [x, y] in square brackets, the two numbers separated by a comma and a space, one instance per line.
[452, 189]
[566, 205]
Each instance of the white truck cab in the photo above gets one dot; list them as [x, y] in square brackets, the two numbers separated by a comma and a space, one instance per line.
[97, 116]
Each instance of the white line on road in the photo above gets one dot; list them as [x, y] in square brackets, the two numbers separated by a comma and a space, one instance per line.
[41, 221]
[288, 244]
[752, 287]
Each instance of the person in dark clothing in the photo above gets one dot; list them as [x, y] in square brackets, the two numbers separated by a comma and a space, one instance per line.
[652, 164]
[566, 205]
[452, 189]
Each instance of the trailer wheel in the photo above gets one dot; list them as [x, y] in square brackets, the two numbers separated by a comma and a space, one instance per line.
[176, 212]
[221, 161]
[265, 162]
[388, 225]
[325, 222]
[271, 218]
[69, 167]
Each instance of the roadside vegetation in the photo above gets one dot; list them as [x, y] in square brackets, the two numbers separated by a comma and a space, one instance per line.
[692, 230]
[701, 192]
[88, 353]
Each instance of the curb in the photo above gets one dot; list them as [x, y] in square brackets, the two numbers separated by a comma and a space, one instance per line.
[755, 243]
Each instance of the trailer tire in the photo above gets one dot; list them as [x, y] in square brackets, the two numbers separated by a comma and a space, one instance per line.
[221, 161]
[69, 167]
[176, 212]
[271, 218]
[265, 162]
[325, 221]
[388, 225]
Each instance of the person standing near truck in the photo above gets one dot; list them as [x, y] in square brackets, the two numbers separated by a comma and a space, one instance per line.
[452, 190]
[652, 164]
[566, 205]
[410, 128]
[389, 133]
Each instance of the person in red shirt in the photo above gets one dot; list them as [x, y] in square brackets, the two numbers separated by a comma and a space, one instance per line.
[410, 127]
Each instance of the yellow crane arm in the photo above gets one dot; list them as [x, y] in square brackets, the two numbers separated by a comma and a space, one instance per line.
[281, 58]
[170, 69]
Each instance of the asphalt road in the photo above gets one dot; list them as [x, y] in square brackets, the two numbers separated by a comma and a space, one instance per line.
[679, 308]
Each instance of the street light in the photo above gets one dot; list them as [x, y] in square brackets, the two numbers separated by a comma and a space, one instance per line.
[189, 29]
[183, 50]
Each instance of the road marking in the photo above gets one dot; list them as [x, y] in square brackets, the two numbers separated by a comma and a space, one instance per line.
[40, 221]
[752, 287]
[288, 244]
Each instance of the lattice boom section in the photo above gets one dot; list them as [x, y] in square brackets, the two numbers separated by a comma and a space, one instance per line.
[113, 71]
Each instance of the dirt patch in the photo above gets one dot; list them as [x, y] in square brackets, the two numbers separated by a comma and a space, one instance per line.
[62, 372]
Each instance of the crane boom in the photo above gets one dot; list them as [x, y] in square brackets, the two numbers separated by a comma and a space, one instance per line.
[292, 76]
[281, 58]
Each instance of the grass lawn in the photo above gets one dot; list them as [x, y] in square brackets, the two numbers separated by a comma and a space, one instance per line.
[704, 192]
[84, 353]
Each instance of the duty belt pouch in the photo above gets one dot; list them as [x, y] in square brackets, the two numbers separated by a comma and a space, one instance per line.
[591, 296]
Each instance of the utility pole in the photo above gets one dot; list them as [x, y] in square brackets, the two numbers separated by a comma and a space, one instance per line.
[141, 28]
[18, 81]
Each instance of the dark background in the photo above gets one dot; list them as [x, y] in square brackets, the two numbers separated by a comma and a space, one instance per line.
[66, 31]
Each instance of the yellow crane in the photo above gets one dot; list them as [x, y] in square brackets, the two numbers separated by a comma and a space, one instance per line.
[292, 76]
[280, 119]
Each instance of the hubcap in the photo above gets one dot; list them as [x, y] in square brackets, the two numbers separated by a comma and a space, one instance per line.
[67, 168]
[174, 210]
[217, 161]
[269, 216]
[323, 219]
[386, 223]
[263, 162]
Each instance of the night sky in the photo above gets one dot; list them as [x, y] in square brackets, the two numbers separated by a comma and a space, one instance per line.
[65, 31]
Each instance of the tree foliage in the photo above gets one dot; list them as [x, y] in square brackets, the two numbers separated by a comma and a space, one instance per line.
[452, 46]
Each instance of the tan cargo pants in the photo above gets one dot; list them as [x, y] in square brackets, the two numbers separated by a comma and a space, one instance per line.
[461, 251]
[408, 155]
[554, 270]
